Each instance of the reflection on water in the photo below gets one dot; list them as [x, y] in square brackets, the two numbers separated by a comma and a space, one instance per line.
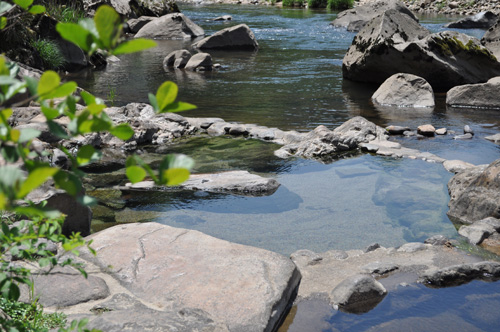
[467, 308]
[348, 204]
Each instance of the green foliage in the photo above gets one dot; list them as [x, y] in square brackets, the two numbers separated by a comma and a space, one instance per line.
[22, 241]
[317, 3]
[29, 316]
[293, 3]
[64, 11]
[340, 4]
[104, 32]
[50, 53]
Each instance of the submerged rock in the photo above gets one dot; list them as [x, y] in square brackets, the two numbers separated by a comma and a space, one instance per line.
[405, 90]
[460, 274]
[356, 18]
[239, 37]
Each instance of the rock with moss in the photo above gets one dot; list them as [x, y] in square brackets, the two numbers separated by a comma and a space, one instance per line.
[355, 19]
[393, 43]
[491, 39]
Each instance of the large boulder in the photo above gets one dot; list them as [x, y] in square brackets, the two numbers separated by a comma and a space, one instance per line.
[134, 8]
[356, 18]
[171, 26]
[482, 20]
[482, 95]
[491, 39]
[475, 194]
[238, 37]
[392, 43]
[248, 289]
[405, 90]
[200, 61]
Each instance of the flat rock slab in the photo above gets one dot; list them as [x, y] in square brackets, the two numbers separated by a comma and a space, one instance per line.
[247, 289]
[236, 182]
[322, 273]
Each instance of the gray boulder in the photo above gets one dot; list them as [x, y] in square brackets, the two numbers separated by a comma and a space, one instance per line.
[405, 90]
[459, 274]
[475, 194]
[491, 39]
[236, 182]
[392, 43]
[200, 61]
[177, 59]
[358, 294]
[426, 130]
[245, 288]
[238, 37]
[171, 26]
[482, 20]
[136, 24]
[134, 8]
[493, 138]
[482, 95]
[356, 18]
[477, 232]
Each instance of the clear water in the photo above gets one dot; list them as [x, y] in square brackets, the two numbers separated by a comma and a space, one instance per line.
[294, 82]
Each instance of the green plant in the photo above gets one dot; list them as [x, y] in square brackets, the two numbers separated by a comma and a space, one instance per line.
[50, 53]
[112, 95]
[22, 240]
[317, 3]
[340, 4]
[64, 11]
[30, 316]
[293, 3]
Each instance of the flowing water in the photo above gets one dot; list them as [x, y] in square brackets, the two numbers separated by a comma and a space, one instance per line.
[294, 82]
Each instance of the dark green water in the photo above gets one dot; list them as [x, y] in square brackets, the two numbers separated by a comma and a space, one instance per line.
[295, 82]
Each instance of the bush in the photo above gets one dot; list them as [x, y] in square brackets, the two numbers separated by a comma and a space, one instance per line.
[317, 3]
[340, 4]
[50, 53]
[293, 3]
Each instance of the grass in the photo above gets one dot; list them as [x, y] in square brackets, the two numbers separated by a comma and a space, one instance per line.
[50, 53]
[64, 11]
[340, 4]
[29, 317]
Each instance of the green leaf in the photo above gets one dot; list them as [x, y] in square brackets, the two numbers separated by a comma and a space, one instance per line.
[3, 22]
[37, 9]
[178, 106]
[35, 179]
[57, 129]
[24, 4]
[88, 98]
[10, 154]
[122, 131]
[108, 24]
[134, 45]
[87, 200]
[5, 7]
[76, 34]
[18, 87]
[177, 161]
[32, 84]
[62, 91]
[48, 82]
[135, 174]
[153, 102]
[7, 80]
[9, 290]
[69, 182]
[87, 154]
[50, 113]
[5, 114]
[166, 94]
[28, 134]
[174, 176]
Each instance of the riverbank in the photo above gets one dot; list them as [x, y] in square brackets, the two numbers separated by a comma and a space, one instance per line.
[427, 7]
